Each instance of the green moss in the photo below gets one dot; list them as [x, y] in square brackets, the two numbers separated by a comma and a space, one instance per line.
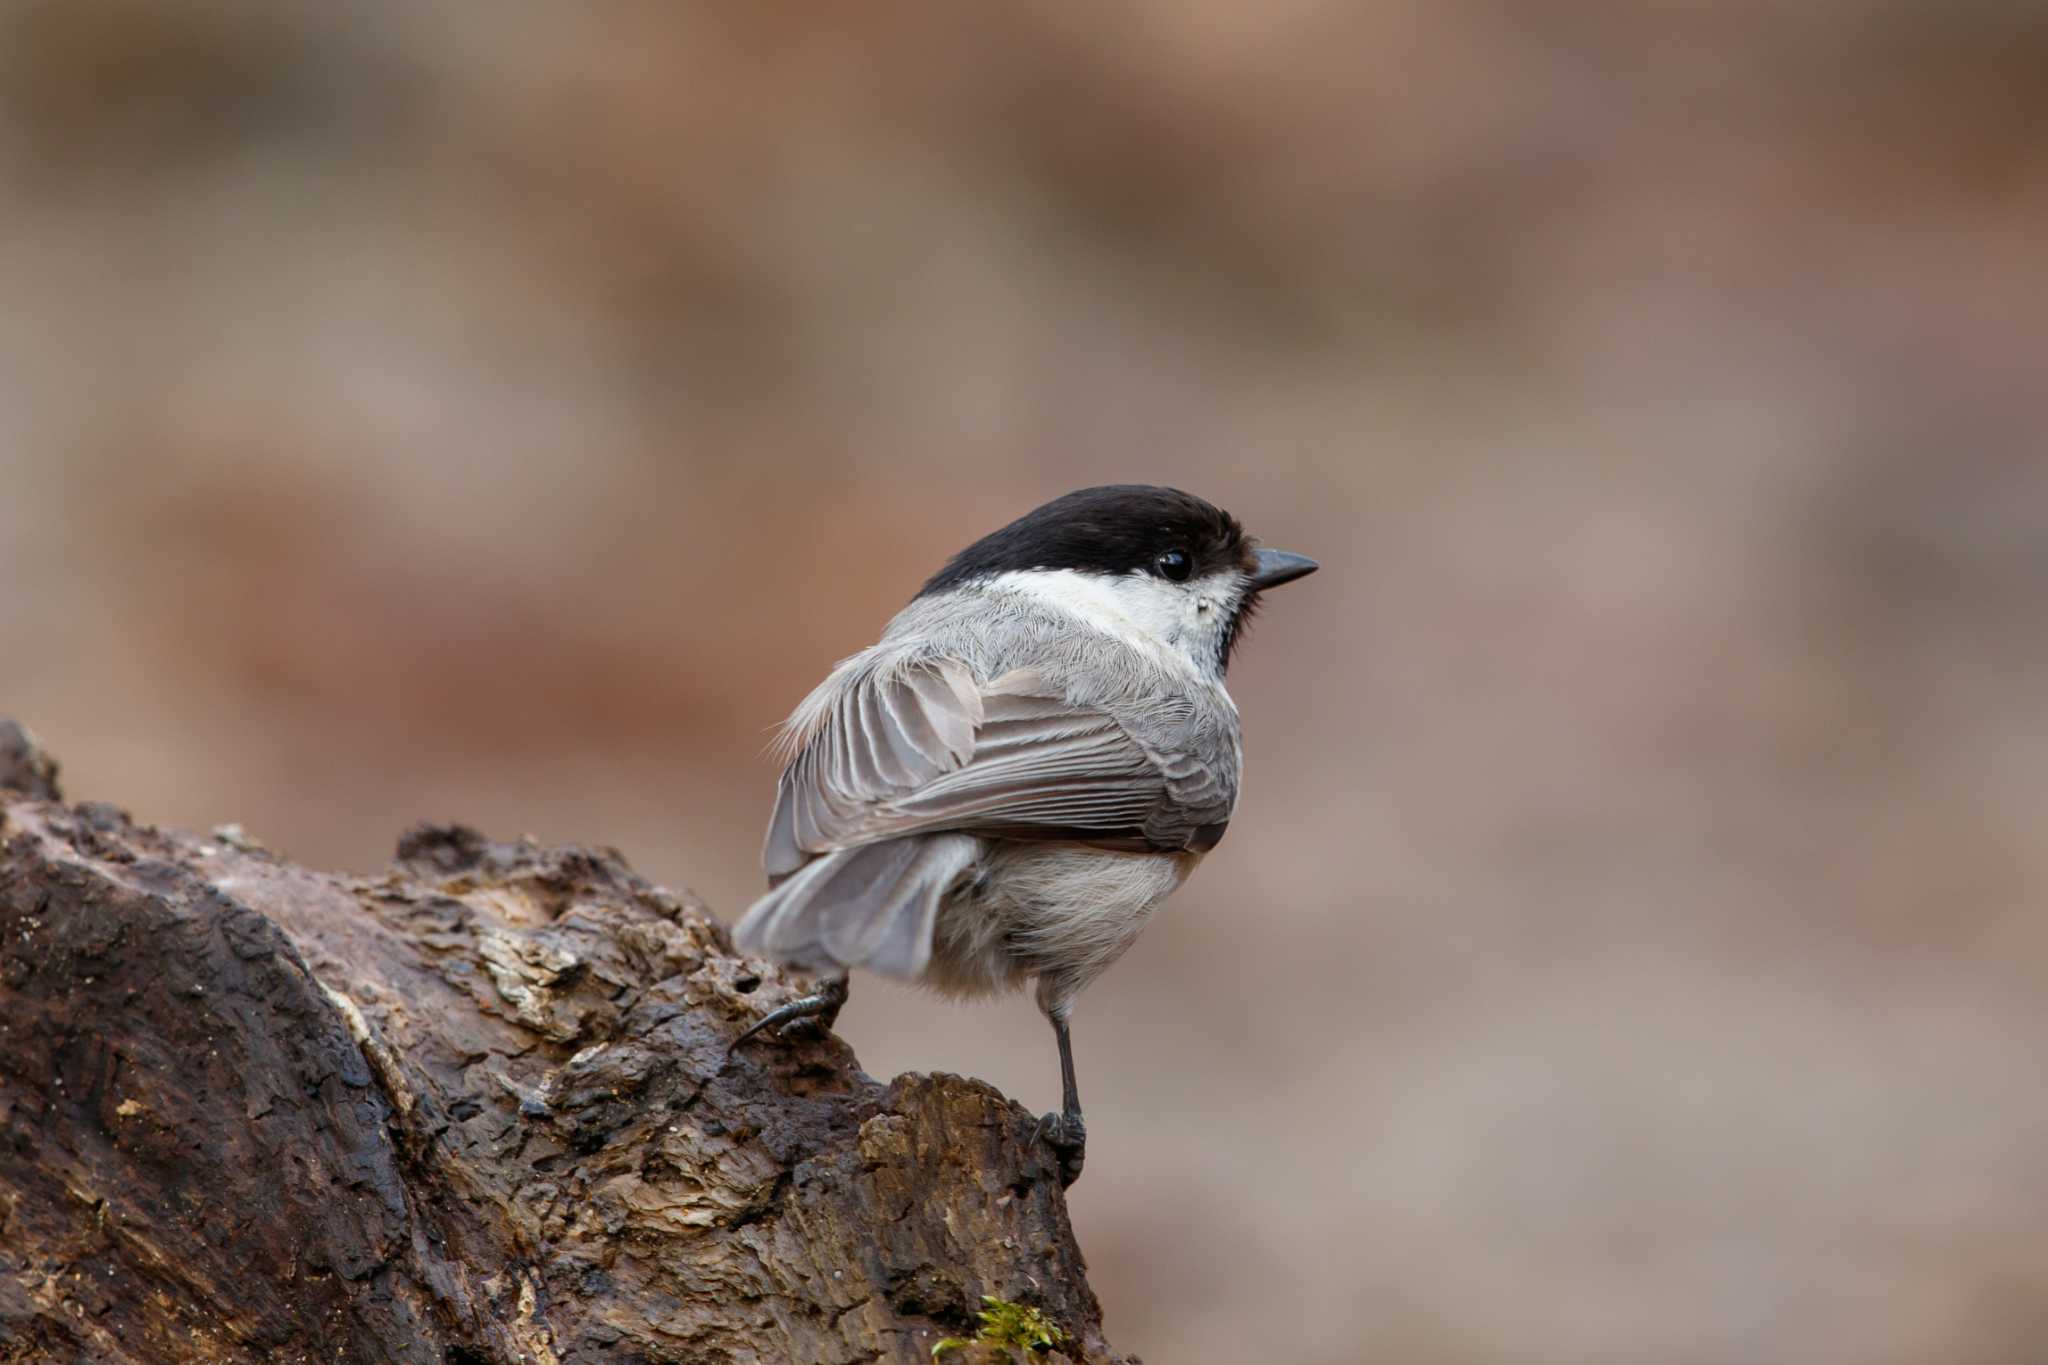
[1008, 1325]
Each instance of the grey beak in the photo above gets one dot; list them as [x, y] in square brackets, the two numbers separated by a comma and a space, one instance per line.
[1278, 566]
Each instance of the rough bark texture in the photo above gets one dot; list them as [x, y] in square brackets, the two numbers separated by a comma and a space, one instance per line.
[474, 1110]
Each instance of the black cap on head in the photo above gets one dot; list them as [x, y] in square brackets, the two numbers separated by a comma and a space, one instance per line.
[1115, 529]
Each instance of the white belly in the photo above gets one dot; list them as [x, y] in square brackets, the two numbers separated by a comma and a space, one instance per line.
[1060, 912]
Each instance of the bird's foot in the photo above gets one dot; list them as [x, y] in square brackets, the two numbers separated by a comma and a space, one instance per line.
[812, 1014]
[1068, 1138]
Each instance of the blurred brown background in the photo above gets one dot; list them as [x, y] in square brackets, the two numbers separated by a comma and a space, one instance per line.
[1631, 946]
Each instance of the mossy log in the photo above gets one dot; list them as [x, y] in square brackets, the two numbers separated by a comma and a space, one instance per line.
[475, 1109]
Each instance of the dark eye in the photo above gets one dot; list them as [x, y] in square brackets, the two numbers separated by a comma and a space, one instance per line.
[1174, 564]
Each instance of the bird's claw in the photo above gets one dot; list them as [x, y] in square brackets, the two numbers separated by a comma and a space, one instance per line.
[1068, 1138]
[807, 1016]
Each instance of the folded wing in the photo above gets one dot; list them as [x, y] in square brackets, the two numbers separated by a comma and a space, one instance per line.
[925, 749]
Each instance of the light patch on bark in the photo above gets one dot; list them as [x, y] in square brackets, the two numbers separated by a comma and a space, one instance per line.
[389, 1073]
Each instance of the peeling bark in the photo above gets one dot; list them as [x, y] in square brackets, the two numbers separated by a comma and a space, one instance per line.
[476, 1109]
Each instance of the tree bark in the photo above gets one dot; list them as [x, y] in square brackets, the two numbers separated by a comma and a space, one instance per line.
[477, 1109]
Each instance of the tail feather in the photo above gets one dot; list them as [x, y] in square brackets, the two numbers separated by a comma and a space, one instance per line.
[873, 906]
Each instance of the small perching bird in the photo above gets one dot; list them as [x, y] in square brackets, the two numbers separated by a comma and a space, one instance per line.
[1037, 752]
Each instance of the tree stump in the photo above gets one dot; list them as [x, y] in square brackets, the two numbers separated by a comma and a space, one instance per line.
[477, 1109]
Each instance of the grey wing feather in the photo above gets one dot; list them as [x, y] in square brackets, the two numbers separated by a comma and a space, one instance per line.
[924, 748]
[899, 773]
[1038, 760]
[871, 906]
[875, 739]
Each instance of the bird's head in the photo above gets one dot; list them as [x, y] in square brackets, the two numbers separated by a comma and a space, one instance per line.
[1134, 559]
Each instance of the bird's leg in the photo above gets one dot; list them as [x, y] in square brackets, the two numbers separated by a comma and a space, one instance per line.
[819, 1010]
[1064, 1132]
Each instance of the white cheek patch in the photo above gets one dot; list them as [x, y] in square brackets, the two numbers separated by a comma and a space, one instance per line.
[1218, 595]
[1185, 620]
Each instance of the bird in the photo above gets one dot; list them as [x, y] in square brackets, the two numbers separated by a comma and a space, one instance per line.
[1036, 753]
